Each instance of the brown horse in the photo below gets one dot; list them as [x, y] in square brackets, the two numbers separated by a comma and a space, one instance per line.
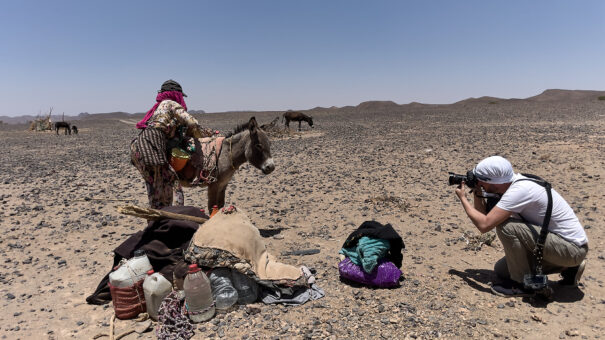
[247, 143]
[297, 117]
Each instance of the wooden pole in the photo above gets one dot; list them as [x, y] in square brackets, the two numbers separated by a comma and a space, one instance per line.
[154, 214]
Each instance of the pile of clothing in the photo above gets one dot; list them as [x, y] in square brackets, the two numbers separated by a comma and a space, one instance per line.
[227, 240]
[371, 255]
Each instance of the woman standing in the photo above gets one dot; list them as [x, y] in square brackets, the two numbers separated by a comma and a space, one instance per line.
[167, 120]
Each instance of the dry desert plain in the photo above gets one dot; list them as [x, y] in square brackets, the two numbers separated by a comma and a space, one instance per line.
[381, 161]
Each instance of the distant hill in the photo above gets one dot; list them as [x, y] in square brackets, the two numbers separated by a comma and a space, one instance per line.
[556, 95]
[480, 100]
[378, 105]
[552, 95]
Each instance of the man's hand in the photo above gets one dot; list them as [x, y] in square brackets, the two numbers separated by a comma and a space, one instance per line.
[460, 191]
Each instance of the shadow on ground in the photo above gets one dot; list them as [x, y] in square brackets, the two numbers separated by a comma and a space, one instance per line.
[270, 232]
[481, 280]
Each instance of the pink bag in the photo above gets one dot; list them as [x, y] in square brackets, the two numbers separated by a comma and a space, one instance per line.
[386, 274]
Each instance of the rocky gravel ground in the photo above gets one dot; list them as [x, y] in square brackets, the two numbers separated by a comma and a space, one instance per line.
[59, 223]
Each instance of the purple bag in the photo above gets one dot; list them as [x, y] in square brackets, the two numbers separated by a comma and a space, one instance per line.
[386, 274]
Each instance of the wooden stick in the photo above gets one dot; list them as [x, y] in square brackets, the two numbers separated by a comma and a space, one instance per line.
[154, 214]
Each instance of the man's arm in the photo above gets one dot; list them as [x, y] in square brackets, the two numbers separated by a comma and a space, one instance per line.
[483, 222]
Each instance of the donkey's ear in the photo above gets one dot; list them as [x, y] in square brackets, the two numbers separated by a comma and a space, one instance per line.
[252, 124]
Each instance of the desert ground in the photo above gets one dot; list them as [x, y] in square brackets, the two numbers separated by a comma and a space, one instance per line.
[59, 223]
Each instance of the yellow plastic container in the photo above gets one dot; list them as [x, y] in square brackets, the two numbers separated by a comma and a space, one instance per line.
[178, 159]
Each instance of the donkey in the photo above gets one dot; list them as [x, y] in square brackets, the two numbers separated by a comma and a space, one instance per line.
[297, 117]
[74, 129]
[247, 143]
[65, 125]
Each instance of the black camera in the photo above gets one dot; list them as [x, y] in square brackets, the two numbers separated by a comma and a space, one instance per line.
[469, 179]
[535, 282]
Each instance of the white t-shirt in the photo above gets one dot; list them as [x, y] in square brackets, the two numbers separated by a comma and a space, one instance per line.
[530, 200]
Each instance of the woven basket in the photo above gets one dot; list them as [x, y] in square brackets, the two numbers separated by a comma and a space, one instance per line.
[128, 302]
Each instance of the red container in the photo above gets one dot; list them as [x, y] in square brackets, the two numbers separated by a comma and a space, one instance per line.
[128, 302]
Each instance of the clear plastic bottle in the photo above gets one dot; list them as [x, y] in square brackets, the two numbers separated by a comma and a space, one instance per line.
[223, 291]
[247, 289]
[198, 295]
[156, 288]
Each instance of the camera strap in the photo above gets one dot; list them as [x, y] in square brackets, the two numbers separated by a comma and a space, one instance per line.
[541, 241]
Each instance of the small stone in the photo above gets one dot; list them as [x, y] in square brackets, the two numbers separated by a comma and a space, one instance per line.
[252, 310]
[10, 296]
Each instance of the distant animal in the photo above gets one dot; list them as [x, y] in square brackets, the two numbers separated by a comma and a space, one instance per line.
[64, 125]
[74, 129]
[297, 117]
[247, 143]
[270, 125]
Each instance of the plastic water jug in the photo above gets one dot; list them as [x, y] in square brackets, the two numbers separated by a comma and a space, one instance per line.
[223, 291]
[198, 295]
[131, 272]
[156, 288]
[247, 288]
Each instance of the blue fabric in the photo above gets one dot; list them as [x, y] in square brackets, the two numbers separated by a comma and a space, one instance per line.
[367, 252]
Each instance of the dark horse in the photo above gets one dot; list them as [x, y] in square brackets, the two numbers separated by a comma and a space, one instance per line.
[247, 143]
[65, 125]
[74, 129]
[297, 117]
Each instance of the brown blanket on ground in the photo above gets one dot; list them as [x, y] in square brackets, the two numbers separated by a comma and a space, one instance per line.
[234, 232]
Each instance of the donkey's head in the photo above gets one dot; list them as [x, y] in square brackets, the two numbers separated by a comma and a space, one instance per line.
[258, 151]
[310, 121]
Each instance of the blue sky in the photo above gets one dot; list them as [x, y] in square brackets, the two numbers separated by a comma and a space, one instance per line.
[103, 56]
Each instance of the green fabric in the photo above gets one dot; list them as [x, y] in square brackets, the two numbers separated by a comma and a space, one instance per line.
[367, 252]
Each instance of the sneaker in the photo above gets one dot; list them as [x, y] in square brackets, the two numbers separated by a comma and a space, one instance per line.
[571, 276]
[511, 289]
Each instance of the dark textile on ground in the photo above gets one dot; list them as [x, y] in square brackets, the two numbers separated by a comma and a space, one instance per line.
[163, 241]
[377, 230]
[151, 143]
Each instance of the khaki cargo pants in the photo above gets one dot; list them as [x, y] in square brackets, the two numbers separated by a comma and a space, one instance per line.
[519, 240]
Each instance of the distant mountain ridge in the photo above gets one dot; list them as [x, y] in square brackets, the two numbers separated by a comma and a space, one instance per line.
[548, 96]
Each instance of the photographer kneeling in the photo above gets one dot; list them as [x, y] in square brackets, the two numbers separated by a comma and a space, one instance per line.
[518, 218]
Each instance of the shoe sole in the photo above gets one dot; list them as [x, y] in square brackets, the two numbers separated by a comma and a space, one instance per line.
[495, 292]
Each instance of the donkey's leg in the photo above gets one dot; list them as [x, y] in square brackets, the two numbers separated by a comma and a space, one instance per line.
[212, 196]
[299, 122]
[221, 197]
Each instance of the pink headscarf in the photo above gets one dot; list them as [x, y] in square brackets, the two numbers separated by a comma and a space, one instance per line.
[177, 96]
